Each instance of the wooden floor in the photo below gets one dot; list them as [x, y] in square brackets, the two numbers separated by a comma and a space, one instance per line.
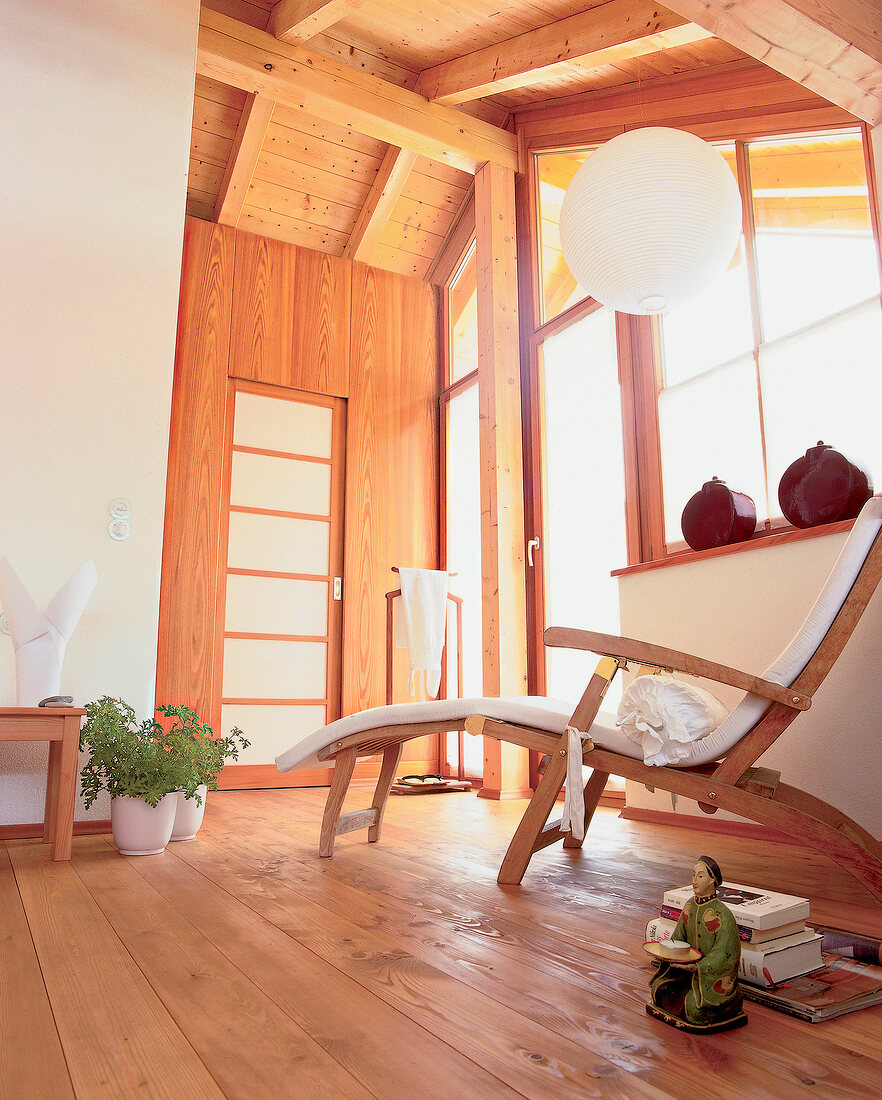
[242, 965]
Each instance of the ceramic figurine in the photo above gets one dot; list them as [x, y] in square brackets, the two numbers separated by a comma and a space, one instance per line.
[699, 990]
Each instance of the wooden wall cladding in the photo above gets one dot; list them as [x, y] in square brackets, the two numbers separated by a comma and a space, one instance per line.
[190, 560]
[291, 316]
[391, 464]
[246, 306]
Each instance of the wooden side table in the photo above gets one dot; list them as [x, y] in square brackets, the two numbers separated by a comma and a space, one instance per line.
[60, 726]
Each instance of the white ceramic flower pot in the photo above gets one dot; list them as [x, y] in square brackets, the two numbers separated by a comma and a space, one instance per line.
[188, 817]
[140, 829]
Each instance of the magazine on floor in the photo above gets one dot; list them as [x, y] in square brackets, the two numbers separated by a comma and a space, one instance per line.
[841, 985]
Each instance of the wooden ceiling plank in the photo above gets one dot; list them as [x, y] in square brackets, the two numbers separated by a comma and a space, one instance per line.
[311, 180]
[854, 20]
[610, 34]
[841, 65]
[300, 20]
[237, 54]
[381, 200]
[247, 145]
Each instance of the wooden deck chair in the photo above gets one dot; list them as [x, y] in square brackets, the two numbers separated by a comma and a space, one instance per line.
[719, 770]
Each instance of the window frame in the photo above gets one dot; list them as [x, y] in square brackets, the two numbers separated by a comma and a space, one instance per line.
[639, 348]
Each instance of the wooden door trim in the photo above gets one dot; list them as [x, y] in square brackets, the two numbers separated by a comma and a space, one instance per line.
[244, 775]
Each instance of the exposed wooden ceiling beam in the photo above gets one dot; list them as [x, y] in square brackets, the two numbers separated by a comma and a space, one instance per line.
[246, 58]
[256, 115]
[300, 20]
[835, 50]
[381, 200]
[606, 35]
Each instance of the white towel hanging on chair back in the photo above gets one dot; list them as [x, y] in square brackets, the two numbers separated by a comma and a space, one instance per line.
[421, 625]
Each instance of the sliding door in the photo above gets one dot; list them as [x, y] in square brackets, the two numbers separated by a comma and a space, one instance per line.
[282, 619]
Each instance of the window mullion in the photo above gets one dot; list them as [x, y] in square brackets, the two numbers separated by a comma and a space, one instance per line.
[640, 381]
[742, 164]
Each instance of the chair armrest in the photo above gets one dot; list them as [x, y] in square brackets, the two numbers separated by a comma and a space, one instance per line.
[646, 653]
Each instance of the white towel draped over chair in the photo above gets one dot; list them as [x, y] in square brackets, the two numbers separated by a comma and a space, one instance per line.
[422, 624]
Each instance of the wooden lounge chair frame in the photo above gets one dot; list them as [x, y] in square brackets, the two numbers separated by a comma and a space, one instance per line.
[732, 784]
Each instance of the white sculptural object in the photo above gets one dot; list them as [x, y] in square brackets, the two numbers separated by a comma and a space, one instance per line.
[40, 637]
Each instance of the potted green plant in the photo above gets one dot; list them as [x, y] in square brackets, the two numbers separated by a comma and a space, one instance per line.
[205, 755]
[145, 767]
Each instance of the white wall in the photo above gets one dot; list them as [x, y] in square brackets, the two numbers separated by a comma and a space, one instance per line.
[97, 104]
[741, 609]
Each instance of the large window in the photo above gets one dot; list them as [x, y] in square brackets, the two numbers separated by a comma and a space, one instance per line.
[583, 492]
[783, 350]
[462, 500]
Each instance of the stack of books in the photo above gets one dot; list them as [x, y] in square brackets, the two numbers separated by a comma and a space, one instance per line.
[776, 945]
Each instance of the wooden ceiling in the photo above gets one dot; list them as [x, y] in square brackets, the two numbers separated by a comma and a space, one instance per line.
[354, 127]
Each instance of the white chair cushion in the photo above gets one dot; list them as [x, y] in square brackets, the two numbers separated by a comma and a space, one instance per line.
[535, 711]
[664, 715]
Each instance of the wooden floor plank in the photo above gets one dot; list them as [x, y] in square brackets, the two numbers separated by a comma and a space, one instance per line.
[530, 1057]
[558, 969]
[118, 1039]
[333, 1009]
[30, 1050]
[253, 1048]
[399, 969]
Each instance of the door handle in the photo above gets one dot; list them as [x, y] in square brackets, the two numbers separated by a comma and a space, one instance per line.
[533, 544]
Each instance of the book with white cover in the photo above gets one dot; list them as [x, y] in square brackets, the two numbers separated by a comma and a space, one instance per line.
[751, 907]
[775, 961]
[749, 935]
[765, 964]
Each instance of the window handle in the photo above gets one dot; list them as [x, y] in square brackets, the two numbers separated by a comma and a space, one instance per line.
[533, 544]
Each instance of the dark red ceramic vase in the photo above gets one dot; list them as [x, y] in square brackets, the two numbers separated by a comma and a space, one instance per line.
[822, 487]
[717, 516]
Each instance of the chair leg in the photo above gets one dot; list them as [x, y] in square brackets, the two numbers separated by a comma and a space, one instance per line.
[535, 816]
[344, 766]
[594, 788]
[528, 836]
[391, 756]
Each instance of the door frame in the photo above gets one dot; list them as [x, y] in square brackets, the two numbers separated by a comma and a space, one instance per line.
[252, 776]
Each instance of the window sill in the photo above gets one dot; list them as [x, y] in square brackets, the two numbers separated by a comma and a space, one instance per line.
[762, 538]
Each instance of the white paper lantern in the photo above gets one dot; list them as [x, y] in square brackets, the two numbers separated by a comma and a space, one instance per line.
[649, 219]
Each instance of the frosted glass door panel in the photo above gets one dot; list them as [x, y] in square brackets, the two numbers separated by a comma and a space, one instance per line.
[275, 424]
[282, 632]
[277, 544]
[256, 668]
[271, 729]
[276, 605]
[282, 484]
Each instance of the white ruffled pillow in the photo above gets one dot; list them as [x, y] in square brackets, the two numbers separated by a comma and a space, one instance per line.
[664, 715]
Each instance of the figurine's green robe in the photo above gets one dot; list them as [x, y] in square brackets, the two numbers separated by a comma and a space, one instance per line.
[709, 993]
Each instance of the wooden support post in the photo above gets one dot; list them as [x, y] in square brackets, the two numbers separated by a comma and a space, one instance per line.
[501, 469]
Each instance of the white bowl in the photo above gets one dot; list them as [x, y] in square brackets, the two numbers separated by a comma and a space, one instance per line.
[675, 949]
